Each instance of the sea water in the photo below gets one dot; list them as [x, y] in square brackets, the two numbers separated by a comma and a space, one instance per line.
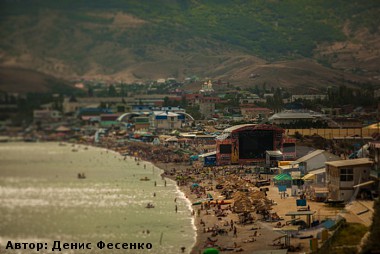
[42, 200]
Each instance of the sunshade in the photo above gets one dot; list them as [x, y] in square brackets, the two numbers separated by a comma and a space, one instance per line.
[211, 251]
[282, 177]
[309, 177]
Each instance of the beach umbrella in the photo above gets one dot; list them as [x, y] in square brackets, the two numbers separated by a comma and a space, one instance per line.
[210, 251]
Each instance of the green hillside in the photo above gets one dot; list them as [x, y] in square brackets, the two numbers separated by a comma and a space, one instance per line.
[107, 37]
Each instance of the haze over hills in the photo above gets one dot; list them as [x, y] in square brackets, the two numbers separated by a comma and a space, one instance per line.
[294, 44]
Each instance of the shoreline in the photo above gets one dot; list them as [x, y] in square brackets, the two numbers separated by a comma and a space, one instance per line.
[187, 195]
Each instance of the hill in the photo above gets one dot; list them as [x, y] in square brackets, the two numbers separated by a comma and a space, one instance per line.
[16, 80]
[281, 43]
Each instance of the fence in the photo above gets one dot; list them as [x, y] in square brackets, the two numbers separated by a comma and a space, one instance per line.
[335, 133]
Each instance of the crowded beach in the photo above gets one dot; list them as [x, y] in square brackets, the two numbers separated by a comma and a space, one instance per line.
[236, 207]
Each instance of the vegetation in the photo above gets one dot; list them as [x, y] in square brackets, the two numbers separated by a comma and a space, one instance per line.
[347, 239]
[373, 243]
[270, 29]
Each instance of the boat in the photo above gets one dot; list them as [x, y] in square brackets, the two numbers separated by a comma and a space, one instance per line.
[81, 176]
[149, 205]
[145, 179]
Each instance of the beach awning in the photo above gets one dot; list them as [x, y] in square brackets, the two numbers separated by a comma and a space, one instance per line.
[363, 184]
[277, 238]
[308, 177]
[207, 154]
[318, 171]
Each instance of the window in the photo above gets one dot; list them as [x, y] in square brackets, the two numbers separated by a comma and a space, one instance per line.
[346, 174]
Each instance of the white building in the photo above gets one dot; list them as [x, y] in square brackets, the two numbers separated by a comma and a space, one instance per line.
[314, 160]
[293, 116]
[309, 97]
[164, 120]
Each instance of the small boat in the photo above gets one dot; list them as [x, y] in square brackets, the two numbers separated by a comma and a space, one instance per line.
[145, 179]
[149, 205]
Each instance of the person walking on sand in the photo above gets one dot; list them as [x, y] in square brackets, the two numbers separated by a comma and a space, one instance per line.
[176, 208]
[235, 231]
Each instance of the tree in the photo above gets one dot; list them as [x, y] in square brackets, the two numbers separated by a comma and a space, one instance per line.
[112, 91]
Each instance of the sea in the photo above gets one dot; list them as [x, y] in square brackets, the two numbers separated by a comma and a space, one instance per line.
[43, 201]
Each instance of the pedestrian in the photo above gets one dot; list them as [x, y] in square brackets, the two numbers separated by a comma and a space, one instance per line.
[176, 208]
[235, 231]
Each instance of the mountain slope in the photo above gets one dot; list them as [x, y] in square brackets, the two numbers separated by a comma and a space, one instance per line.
[140, 40]
[17, 80]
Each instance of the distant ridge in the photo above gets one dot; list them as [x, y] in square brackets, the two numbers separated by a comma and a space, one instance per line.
[288, 44]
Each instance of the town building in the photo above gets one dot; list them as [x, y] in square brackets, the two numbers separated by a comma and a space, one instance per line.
[164, 120]
[46, 115]
[207, 107]
[309, 97]
[291, 117]
[255, 112]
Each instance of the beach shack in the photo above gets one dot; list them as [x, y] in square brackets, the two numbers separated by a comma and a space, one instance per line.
[348, 178]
